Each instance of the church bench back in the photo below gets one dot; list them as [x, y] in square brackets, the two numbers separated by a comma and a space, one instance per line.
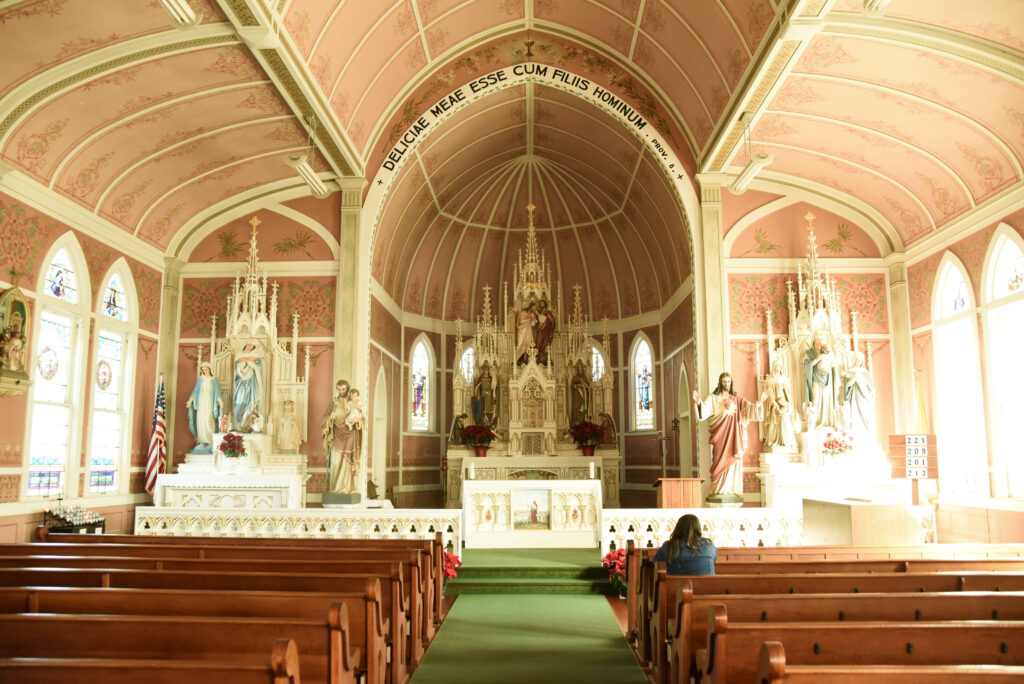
[392, 604]
[413, 599]
[865, 565]
[367, 627]
[685, 621]
[282, 668]
[177, 638]
[434, 548]
[732, 648]
[772, 668]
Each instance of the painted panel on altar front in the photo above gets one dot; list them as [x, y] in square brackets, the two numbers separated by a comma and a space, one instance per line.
[531, 509]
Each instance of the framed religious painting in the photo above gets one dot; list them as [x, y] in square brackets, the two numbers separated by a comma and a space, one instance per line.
[14, 342]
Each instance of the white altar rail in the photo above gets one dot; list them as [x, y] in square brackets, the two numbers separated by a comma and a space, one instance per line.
[652, 527]
[302, 523]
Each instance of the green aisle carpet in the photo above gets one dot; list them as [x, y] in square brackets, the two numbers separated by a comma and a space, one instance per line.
[504, 636]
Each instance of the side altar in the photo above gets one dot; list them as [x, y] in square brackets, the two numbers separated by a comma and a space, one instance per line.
[819, 434]
[263, 401]
[530, 374]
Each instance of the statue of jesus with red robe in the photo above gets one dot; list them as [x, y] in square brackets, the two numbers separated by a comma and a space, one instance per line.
[727, 416]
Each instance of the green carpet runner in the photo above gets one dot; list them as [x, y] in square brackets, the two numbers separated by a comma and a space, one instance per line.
[529, 615]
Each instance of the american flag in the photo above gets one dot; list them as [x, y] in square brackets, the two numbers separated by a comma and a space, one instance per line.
[157, 460]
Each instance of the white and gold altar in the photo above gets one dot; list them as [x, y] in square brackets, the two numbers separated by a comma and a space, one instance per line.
[266, 404]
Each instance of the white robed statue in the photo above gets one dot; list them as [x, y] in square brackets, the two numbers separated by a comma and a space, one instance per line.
[204, 407]
[248, 392]
[858, 397]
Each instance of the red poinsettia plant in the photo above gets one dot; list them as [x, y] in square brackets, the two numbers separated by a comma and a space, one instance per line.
[232, 445]
[451, 565]
[479, 435]
[837, 443]
[615, 563]
[586, 433]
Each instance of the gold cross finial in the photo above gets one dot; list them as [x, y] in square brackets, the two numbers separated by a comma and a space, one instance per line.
[530, 208]
[810, 220]
[254, 221]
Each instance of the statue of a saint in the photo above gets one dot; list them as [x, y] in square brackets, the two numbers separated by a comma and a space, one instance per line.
[778, 410]
[248, 394]
[288, 437]
[545, 330]
[343, 440]
[204, 407]
[858, 396]
[607, 424]
[820, 384]
[484, 398]
[727, 416]
[579, 396]
[525, 332]
[457, 435]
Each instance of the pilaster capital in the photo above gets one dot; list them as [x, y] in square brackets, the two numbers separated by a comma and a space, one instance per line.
[897, 264]
[172, 269]
[351, 192]
[711, 186]
[6, 168]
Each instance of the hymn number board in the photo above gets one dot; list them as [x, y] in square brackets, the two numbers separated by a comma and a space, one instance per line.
[914, 457]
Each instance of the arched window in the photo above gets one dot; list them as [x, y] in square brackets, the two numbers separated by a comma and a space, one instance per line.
[597, 362]
[642, 369]
[420, 371]
[960, 417]
[111, 383]
[54, 422]
[1004, 294]
[466, 365]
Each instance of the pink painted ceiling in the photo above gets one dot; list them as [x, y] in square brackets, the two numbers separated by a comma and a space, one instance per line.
[917, 115]
[607, 217]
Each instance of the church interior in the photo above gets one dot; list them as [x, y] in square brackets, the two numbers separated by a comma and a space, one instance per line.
[518, 273]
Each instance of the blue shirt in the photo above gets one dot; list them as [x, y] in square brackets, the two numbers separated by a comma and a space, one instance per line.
[689, 561]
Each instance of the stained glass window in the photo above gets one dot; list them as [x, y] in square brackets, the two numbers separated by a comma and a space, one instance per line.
[466, 364]
[953, 294]
[597, 363]
[60, 278]
[114, 300]
[51, 412]
[1008, 269]
[420, 387]
[107, 412]
[643, 386]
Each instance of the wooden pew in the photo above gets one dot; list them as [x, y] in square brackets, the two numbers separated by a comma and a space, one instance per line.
[280, 551]
[409, 568]
[434, 547]
[321, 646]
[390, 595]
[772, 668]
[680, 633]
[283, 668]
[367, 628]
[732, 648]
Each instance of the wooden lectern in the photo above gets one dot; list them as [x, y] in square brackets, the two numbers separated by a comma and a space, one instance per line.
[679, 492]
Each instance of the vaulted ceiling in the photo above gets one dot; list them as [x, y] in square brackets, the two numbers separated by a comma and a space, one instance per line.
[913, 117]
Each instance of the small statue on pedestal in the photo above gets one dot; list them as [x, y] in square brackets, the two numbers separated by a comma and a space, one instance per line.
[727, 416]
[205, 405]
[288, 437]
[778, 407]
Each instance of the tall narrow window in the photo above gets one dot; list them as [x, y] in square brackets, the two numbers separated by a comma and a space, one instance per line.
[52, 404]
[60, 278]
[466, 364]
[960, 419]
[642, 367]
[419, 373]
[597, 363]
[110, 388]
[1005, 295]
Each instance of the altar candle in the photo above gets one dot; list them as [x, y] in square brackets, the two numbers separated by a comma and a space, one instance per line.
[591, 470]
[471, 471]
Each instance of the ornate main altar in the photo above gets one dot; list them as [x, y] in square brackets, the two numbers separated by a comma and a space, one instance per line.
[529, 374]
[819, 438]
[264, 400]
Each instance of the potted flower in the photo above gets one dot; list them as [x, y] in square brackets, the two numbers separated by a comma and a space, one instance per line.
[450, 569]
[586, 435]
[232, 447]
[480, 437]
[615, 563]
[837, 443]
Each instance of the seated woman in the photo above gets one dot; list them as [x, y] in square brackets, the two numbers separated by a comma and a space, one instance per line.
[687, 552]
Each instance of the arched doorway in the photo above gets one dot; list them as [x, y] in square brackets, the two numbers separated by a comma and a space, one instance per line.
[379, 455]
[686, 467]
